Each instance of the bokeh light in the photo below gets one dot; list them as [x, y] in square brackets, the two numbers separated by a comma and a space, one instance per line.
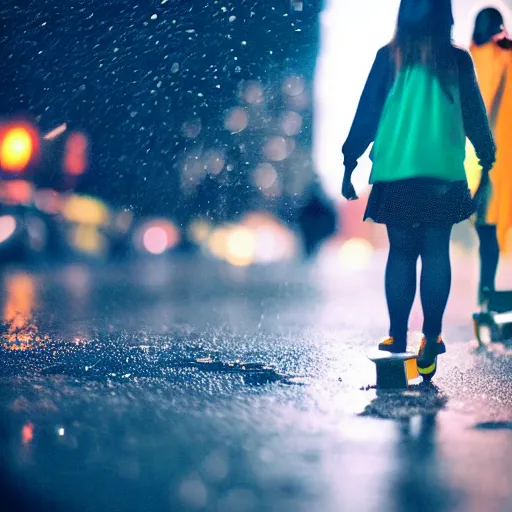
[7, 227]
[217, 243]
[291, 123]
[264, 176]
[156, 236]
[199, 230]
[259, 238]
[294, 86]
[356, 253]
[75, 156]
[85, 210]
[276, 148]
[274, 243]
[299, 102]
[47, 201]
[16, 149]
[214, 161]
[192, 128]
[16, 192]
[87, 238]
[236, 120]
[240, 245]
[193, 169]
[27, 433]
[252, 93]
[273, 240]
[155, 240]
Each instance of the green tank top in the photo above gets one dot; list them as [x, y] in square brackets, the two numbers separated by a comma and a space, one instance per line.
[421, 131]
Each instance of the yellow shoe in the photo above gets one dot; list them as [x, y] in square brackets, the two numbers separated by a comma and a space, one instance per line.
[427, 356]
[389, 345]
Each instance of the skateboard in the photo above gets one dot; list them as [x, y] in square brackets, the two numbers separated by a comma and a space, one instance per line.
[395, 371]
[494, 322]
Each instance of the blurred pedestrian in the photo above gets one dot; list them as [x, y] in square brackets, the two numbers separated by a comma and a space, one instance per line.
[317, 219]
[492, 55]
[419, 103]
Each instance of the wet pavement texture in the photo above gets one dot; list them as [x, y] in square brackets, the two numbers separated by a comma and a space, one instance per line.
[191, 385]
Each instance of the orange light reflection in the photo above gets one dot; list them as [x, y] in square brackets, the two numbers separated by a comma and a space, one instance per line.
[22, 333]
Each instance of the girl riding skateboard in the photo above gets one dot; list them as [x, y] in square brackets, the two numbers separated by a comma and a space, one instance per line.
[419, 103]
[491, 51]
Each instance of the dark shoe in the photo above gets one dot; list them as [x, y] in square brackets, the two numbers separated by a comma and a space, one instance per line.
[427, 356]
[390, 345]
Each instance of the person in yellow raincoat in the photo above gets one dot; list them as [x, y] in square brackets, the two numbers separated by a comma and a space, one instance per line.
[491, 50]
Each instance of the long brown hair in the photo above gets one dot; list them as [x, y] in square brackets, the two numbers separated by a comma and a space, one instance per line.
[423, 36]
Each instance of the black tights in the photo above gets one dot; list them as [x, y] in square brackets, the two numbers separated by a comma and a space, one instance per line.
[406, 245]
[489, 256]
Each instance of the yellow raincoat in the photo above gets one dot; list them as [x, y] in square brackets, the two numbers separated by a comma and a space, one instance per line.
[494, 72]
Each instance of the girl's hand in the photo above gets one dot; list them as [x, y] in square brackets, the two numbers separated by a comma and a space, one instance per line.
[347, 189]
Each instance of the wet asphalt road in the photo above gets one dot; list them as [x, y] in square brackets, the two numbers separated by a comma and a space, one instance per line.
[190, 385]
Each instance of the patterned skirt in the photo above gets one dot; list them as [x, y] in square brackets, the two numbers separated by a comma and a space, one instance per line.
[420, 202]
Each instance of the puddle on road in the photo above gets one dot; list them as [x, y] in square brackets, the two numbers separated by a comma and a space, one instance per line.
[253, 373]
[96, 361]
[396, 404]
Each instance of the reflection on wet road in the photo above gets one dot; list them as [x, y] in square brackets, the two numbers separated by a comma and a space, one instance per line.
[19, 333]
[189, 385]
